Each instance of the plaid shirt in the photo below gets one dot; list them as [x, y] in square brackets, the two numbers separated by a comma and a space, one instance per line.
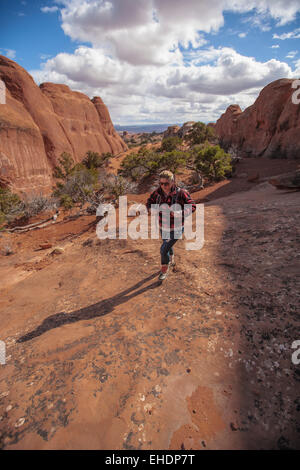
[176, 196]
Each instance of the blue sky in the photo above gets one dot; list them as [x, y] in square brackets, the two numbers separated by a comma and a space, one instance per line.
[30, 33]
[156, 60]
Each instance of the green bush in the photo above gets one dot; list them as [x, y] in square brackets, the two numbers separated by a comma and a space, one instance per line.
[147, 162]
[200, 133]
[212, 162]
[64, 167]
[141, 164]
[9, 202]
[169, 144]
[2, 218]
[77, 183]
[66, 201]
[95, 160]
[173, 160]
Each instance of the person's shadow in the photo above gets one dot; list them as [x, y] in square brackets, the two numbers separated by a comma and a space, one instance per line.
[92, 311]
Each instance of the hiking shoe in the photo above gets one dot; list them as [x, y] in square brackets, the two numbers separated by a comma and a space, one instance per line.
[163, 272]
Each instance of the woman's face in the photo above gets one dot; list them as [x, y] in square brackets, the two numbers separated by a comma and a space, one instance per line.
[165, 185]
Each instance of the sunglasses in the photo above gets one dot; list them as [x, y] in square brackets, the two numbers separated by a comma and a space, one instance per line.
[165, 184]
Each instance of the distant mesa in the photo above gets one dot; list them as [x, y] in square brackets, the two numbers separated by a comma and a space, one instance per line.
[37, 124]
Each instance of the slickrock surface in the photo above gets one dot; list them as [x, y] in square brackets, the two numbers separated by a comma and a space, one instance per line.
[270, 127]
[37, 124]
[102, 356]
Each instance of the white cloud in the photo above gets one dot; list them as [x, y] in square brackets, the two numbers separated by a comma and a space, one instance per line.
[283, 11]
[145, 31]
[275, 46]
[259, 20]
[150, 60]
[291, 35]
[242, 35]
[49, 9]
[182, 92]
[297, 65]
[292, 54]
[10, 53]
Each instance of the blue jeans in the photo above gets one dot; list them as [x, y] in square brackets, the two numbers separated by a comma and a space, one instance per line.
[166, 249]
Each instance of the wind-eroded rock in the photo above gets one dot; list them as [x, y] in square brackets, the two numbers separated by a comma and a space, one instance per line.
[37, 124]
[270, 127]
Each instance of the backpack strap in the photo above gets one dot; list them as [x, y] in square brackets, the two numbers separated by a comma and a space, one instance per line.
[178, 190]
[158, 199]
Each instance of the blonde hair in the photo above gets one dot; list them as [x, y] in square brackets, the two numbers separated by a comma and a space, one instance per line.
[166, 174]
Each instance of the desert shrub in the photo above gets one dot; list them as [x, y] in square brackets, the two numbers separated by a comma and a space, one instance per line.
[211, 161]
[66, 201]
[95, 160]
[200, 133]
[117, 185]
[169, 144]
[173, 160]
[64, 167]
[147, 162]
[37, 204]
[13, 208]
[77, 188]
[77, 183]
[94, 199]
[9, 202]
[2, 218]
[141, 164]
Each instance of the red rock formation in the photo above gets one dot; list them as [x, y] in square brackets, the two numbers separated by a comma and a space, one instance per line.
[23, 161]
[172, 131]
[185, 129]
[270, 127]
[37, 124]
[225, 127]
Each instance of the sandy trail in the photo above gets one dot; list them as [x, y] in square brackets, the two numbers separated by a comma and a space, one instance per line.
[102, 356]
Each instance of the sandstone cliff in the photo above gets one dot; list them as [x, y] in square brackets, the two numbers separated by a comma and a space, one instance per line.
[270, 127]
[37, 124]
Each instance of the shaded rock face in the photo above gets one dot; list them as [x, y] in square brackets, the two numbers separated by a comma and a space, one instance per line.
[185, 129]
[287, 181]
[177, 131]
[270, 127]
[37, 124]
[172, 131]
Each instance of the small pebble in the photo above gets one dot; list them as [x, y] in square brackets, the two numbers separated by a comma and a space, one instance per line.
[20, 422]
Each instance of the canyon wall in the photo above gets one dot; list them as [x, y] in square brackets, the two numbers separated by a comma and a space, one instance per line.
[269, 128]
[38, 123]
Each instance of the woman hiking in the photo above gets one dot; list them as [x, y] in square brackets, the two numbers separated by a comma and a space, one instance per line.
[171, 223]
